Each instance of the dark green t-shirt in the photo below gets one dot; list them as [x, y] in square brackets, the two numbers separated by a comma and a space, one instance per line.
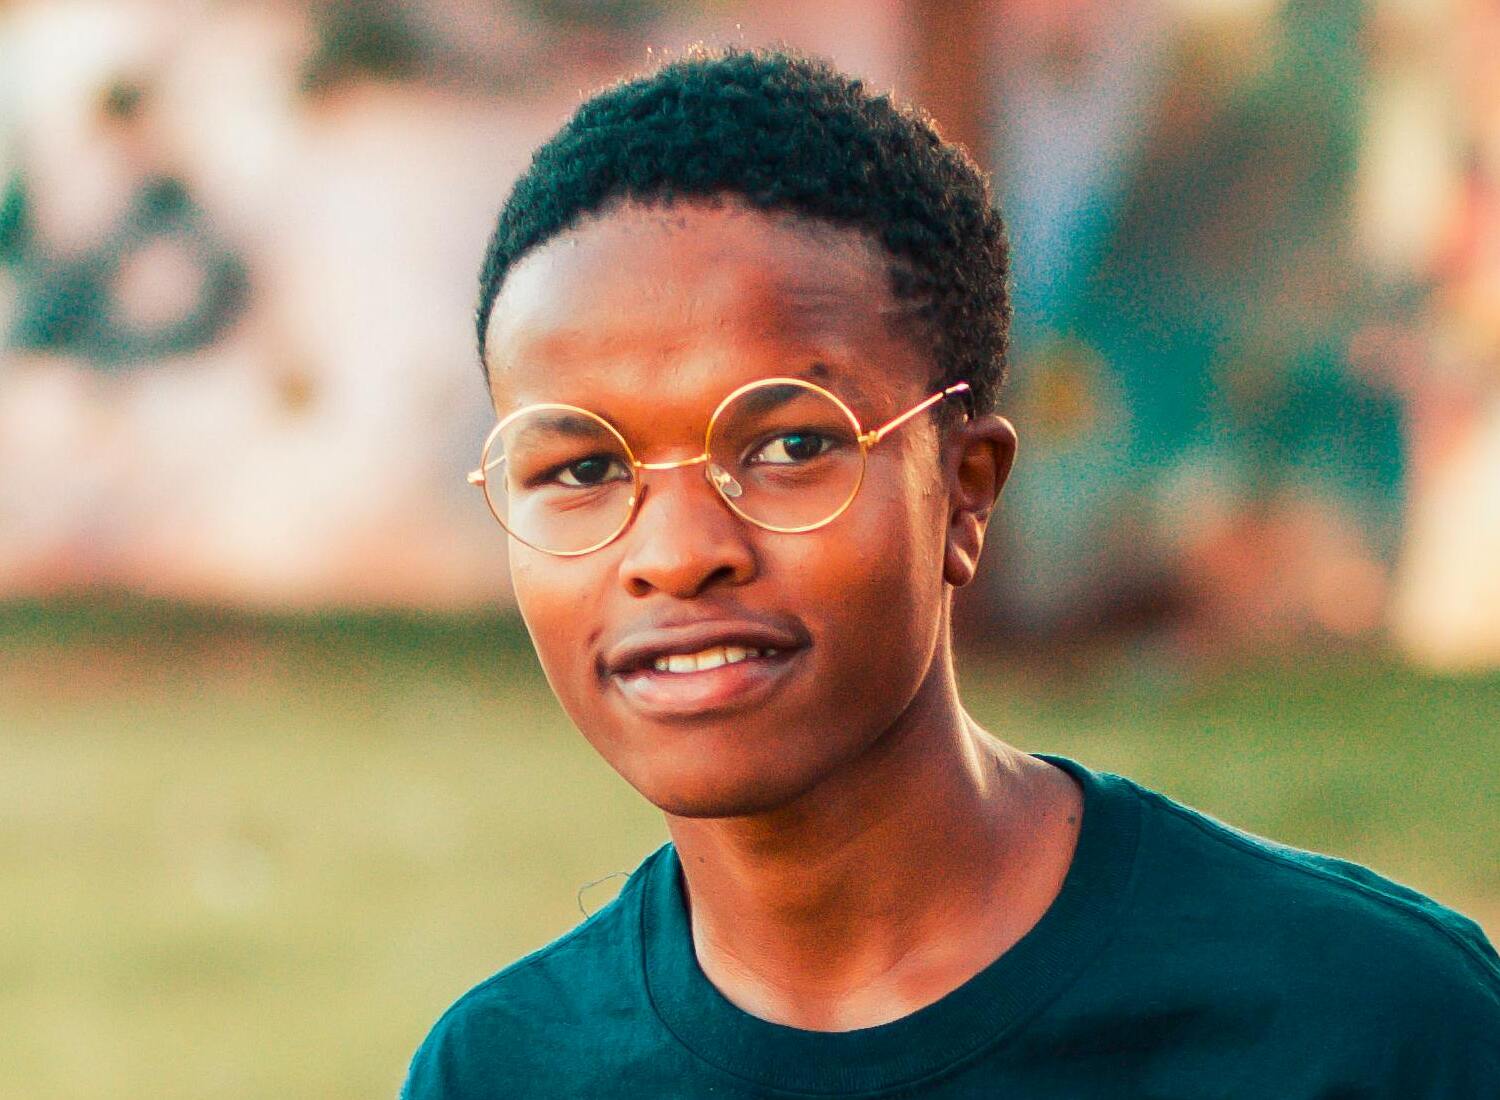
[1182, 958]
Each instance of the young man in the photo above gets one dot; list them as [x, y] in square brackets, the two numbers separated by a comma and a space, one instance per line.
[744, 325]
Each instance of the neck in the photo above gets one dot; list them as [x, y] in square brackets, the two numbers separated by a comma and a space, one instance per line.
[838, 910]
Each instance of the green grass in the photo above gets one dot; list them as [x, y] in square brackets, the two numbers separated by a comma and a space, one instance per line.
[255, 856]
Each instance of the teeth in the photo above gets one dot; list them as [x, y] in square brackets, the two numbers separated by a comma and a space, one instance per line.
[712, 657]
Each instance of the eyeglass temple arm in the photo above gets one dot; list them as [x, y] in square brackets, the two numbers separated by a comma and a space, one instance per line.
[481, 475]
[875, 436]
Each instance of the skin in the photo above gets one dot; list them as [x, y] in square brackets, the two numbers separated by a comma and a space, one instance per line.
[835, 832]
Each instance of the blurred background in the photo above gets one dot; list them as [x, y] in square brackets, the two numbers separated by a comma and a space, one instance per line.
[279, 775]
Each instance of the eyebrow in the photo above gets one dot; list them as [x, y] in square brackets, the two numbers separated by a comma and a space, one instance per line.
[560, 422]
[846, 385]
[766, 398]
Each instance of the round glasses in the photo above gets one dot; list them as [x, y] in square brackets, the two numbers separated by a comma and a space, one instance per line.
[783, 453]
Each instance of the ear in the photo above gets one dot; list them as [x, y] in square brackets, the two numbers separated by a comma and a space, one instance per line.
[983, 451]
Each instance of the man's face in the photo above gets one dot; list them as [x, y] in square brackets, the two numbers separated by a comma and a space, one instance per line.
[649, 318]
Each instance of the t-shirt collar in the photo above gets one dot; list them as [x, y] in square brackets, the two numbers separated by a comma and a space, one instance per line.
[976, 1016]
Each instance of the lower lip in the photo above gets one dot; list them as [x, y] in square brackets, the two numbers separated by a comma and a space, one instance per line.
[706, 691]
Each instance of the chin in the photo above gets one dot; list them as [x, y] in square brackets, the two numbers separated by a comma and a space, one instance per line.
[713, 792]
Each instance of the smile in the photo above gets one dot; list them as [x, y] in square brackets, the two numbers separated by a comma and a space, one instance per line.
[690, 669]
[711, 681]
[705, 659]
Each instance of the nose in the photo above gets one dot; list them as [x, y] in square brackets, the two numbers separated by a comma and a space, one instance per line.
[684, 539]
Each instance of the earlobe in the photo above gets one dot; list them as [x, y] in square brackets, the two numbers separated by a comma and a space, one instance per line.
[984, 451]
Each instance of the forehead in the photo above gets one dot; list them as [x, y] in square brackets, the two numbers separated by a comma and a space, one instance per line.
[686, 302]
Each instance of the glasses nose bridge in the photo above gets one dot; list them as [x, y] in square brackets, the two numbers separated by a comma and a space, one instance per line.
[723, 483]
[674, 465]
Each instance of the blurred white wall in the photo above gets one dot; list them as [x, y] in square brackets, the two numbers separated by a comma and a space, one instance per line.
[313, 452]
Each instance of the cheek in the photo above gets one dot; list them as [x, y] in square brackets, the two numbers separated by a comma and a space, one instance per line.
[553, 597]
[877, 582]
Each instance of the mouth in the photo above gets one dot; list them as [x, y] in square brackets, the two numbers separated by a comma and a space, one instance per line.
[706, 660]
[698, 675]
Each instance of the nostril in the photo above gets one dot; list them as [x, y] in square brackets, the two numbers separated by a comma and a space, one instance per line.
[725, 574]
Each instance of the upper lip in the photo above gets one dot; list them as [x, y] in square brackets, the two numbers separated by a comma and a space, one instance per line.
[640, 648]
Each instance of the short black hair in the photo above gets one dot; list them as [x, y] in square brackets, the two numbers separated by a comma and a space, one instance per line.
[784, 132]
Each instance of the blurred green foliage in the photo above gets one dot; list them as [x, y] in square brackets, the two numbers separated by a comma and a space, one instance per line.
[255, 856]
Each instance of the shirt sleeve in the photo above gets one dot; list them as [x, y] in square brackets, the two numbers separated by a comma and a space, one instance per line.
[462, 1058]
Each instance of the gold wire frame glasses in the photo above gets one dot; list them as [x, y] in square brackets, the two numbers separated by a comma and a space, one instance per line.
[784, 454]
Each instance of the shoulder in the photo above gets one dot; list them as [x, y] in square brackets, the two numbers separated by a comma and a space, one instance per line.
[509, 1026]
[1347, 939]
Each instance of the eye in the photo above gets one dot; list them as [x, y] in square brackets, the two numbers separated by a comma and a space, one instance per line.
[792, 447]
[593, 470]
